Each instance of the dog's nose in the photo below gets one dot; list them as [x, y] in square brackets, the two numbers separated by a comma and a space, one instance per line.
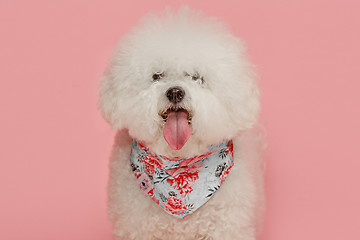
[175, 94]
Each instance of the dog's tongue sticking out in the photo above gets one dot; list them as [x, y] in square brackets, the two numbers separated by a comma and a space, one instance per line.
[177, 130]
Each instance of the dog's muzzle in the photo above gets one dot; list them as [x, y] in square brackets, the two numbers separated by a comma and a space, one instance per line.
[177, 119]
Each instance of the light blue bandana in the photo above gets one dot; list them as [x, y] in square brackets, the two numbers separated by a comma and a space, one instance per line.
[181, 185]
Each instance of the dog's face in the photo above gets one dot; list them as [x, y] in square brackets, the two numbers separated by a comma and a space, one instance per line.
[178, 77]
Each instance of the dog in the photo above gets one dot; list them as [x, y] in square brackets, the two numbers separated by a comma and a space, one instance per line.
[186, 162]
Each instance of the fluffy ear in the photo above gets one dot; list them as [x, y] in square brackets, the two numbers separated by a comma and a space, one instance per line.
[248, 105]
[240, 91]
[251, 109]
[108, 100]
[249, 102]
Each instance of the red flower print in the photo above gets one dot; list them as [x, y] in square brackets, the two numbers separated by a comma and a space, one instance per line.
[152, 162]
[137, 174]
[172, 158]
[174, 205]
[142, 146]
[193, 160]
[230, 148]
[183, 178]
[225, 173]
[190, 161]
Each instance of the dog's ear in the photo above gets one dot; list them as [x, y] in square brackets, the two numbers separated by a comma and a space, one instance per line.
[251, 99]
[109, 100]
[250, 107]
[246, 93]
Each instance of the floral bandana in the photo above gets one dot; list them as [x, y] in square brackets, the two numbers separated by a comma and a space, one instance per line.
[181, 185]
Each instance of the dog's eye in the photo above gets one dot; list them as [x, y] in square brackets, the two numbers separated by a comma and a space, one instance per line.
[195, 77]
[157, 76]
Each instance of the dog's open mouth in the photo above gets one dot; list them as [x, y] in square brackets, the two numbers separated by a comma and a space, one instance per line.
[177, 126]
[166, 113]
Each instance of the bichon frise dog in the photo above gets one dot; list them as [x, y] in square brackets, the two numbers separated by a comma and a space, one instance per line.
[185, 163]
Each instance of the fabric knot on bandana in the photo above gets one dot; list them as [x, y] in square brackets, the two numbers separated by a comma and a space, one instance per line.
[181, 185]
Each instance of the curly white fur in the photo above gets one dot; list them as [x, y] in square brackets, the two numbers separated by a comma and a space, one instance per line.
[223, 106]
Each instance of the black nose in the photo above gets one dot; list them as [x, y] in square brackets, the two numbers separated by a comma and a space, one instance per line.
[175, 94]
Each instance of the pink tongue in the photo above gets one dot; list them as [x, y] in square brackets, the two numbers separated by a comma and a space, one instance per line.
[177, 130]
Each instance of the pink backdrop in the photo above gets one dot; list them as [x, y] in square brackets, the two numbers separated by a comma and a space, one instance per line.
[54, 145]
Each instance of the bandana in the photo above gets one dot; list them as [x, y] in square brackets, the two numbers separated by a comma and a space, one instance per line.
[181, 185]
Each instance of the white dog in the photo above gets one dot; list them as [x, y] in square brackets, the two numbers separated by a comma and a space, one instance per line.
[182, 95]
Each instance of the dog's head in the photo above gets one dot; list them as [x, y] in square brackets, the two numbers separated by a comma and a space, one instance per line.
[180, 76]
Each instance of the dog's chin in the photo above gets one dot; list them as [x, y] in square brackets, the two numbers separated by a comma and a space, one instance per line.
[177, 125]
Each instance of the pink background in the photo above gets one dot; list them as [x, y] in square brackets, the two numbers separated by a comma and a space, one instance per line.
[54, 145]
